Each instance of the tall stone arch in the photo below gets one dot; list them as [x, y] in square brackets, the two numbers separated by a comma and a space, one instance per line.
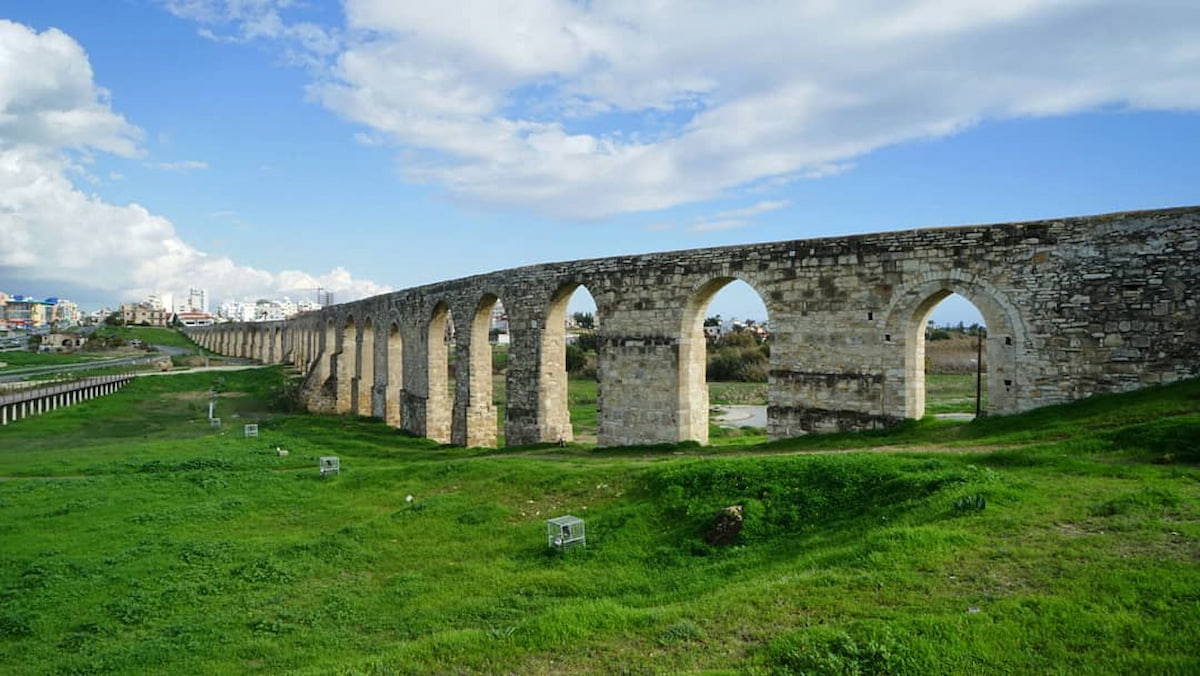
[474, 405]
[692, 391]
[345, 364]
[553, 414]
[394, 375]
[904, 340]
[438, 403]
[364, 382]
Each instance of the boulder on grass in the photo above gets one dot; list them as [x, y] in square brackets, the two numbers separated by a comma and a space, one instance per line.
[726, 529]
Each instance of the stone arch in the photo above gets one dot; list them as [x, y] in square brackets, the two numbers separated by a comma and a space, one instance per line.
[276, 353]
[481, 409]
[693, 358]
[364, 384]
[904, 340]
[312, 347]
[394, 386]
[345, 365]
[553, 400]
[438, 403]
[325, 359]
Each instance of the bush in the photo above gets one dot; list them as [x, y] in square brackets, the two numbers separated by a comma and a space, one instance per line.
[827, 650]
[576, 359]
[787, 495]
[588, 342]
[741, 364]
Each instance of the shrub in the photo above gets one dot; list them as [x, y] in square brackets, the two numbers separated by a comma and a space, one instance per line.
[576, 359]
[826, 650]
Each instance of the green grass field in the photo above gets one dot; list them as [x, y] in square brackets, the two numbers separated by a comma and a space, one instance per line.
[152, 336]
[136, 539]
[20, 359]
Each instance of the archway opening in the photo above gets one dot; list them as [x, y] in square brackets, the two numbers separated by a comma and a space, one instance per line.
[441, 380]
[346, 362]
[365, 385]
[569, 383]
[948, 367]
[395, 378]
[325, 360]
[724, 363]
[486, 373]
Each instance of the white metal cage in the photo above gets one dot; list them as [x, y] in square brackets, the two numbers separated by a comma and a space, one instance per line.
[251, 430]
[330, 464]
[565, 532]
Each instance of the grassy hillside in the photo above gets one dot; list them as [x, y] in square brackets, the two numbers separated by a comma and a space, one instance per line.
[138, 540]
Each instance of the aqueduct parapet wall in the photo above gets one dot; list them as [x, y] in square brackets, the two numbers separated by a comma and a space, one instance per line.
[1073, 306]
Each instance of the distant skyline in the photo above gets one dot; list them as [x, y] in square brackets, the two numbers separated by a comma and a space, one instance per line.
[264, 148]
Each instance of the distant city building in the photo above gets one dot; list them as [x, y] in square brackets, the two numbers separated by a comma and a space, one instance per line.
[62, 342]
[195, 318]
[19, 312]
[263, 310]
[23, 312]
[160, 301]
[144, 314]
[65, 313]
[196, 301]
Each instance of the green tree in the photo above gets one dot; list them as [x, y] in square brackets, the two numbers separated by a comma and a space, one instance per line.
[588, 342]
[584, 320]
[576, 359]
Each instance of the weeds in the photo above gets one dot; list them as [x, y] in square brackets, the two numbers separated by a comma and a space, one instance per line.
[137, 539]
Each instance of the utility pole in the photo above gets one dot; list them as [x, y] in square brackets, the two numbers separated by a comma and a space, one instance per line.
[979, 372]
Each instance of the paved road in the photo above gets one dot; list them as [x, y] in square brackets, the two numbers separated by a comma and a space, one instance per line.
[741, 416]
[756, 416]
[163, 351]
[63, 368]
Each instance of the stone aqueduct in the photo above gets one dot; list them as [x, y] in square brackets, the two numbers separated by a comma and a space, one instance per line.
[1073, 306]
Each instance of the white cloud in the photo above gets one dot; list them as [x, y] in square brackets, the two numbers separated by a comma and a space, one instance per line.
[48, 99]
[723, 224]
[242, 21]
[52, 118]
[52, 230]
[186, 165]
[736, 218]
[753, 210]
[586, 110]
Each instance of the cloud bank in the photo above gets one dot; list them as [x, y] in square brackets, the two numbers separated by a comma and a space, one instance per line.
[589, 109]
[51, 114]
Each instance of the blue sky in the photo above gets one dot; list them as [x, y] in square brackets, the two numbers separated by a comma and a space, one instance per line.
[266, 147]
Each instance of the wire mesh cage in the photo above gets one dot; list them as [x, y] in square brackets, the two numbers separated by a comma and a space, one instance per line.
[330, 464]
[565, 532]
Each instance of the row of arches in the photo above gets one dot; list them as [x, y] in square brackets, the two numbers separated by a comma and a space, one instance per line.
[263, 342]
[356, 362]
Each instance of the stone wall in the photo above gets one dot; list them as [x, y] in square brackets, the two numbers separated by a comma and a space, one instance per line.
[1073, 307]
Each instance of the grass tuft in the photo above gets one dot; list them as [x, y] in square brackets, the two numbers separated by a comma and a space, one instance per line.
[1062, 539]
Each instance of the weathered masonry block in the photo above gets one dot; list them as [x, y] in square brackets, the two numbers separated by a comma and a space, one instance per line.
[1073, 306]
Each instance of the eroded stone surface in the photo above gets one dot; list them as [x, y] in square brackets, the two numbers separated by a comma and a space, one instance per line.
[1073, 307]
